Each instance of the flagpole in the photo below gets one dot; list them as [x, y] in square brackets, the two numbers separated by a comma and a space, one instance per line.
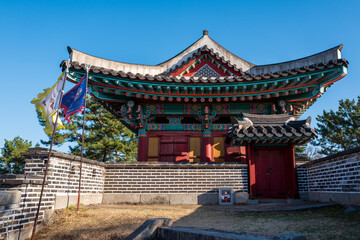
[87, 67]
[50, 150]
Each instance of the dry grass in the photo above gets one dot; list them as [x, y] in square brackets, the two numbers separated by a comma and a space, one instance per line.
[117, 221]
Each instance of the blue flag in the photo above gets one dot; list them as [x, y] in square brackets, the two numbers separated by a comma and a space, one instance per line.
[74, 100]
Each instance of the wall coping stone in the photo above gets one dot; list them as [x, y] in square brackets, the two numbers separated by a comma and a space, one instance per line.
[331, 157]
[19, 179]
[173, 164]
[44, 152]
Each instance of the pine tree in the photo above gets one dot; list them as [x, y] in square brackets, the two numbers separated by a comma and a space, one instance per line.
[339, 130]
[307, 153]
[300, 153]
[106, 138]
[12, 159]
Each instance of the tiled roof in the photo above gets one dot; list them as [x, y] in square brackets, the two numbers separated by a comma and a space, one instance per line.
[205, 45]
[245, 77]
[270, 128]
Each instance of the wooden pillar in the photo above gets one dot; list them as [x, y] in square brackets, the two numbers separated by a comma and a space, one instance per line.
[251, 171]
[208, 156]
[292, 171]
[142, 147]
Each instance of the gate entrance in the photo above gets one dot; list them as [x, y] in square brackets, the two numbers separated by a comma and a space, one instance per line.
[270, 173]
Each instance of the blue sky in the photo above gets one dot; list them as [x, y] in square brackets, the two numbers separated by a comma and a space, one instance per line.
[34, 36]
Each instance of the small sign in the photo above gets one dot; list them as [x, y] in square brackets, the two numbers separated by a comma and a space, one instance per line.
[226, 196]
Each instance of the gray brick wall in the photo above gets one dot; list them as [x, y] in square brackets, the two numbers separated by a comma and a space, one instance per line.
[174, 178]
[340, 174]
[19, 214]
[63, 175]
[302, 179]
[64, 170]
[335, 178]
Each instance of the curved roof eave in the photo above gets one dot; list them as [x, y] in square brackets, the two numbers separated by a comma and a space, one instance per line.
[81, 58]
[84, 58]
[318, 58]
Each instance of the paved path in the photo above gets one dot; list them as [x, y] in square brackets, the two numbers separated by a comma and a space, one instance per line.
[261, 207]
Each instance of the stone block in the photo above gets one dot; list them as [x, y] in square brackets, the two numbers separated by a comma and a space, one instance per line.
[240, 197]
[179, 233]
[91, 198]
[252, 201]
[304, 195]
[294, 200]
[342, 198]
[289, 236]
[208, 199]
[147, 231]
[47, 215]
[9, 197]
[183, 198]
[64, 201]
[349, 210]
[154, 198]
[118, 198]
[22, 234]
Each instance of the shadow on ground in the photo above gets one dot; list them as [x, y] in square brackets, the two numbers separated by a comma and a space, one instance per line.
[112, 222]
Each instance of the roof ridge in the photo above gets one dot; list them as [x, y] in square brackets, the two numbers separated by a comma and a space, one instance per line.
[201, 42]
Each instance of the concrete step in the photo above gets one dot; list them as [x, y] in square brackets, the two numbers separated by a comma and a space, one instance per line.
[272, 200]
[280, 200]
[179, 233]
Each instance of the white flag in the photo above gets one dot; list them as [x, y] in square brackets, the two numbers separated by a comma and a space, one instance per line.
[51, 101]
[48, 103]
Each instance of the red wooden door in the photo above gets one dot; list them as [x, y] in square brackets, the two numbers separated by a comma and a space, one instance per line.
[174, 148]
[166, 149]
[270, 173]
[181, 148]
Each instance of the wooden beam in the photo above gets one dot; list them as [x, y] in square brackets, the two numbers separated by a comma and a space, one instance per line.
[159, 88]
[168, 89]
[235, 89]
[244, 88]
[193, 89]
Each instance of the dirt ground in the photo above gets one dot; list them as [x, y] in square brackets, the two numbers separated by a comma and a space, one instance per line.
[117, 221]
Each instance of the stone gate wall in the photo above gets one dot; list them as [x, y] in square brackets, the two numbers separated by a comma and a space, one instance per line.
[110, 183]
[332, 179]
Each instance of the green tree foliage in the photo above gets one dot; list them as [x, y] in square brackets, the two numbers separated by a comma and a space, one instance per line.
[12, 155]
[300, 154]
[339, 130]
[106, 138]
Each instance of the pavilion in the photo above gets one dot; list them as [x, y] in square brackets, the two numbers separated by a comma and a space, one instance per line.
[208, 105]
